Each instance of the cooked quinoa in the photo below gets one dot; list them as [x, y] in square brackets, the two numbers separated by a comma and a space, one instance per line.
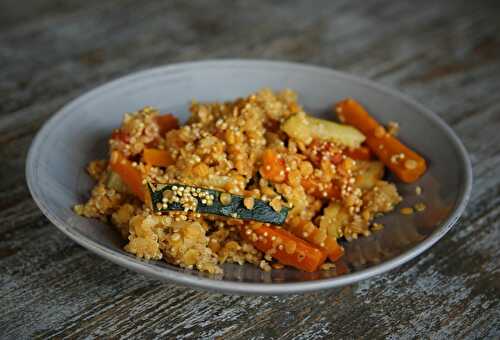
[221, 147]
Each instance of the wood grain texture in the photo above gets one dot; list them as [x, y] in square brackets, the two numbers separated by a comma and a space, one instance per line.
[446, 54]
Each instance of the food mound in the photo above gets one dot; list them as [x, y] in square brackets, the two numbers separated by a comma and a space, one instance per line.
[256, 180]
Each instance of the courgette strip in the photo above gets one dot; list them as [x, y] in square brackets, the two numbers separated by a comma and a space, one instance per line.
[261, 210]
[306, 128]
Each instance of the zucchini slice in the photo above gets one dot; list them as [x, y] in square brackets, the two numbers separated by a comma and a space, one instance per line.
[306, 128]
[180, 197]
[368, 173]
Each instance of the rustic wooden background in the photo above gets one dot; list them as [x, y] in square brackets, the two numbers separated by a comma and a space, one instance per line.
[445, 54]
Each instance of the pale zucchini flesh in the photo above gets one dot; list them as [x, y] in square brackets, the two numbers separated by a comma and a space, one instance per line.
[115, 182]
[368, 173]
[334, 218]
[306, 128]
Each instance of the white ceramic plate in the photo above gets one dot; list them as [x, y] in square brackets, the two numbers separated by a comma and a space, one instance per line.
[78, 133]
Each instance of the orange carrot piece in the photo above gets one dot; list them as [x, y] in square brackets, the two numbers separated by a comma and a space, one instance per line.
[157, 157]
[167, 122]
[312, 187]
[405, 163]
[335, 250]
[362, 153]
[309, 232]
[288, 248]
[273, 166]
[129, 175]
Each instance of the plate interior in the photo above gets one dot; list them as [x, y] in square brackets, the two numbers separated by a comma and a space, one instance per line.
[78, 134]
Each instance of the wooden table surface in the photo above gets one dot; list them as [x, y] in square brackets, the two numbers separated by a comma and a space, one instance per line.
[446, 54]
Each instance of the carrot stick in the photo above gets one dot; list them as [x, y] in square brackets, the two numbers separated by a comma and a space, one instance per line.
[273, 166]
[313, 188]
[157, 157]
[167, 122]
[362, 153]
[405, 163]
[286, 247]
[308, 231]
[129, 175]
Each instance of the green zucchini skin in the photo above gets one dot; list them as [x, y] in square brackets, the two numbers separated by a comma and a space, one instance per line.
[261, 210]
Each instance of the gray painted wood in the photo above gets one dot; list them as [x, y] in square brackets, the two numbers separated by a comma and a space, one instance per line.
[445, 54]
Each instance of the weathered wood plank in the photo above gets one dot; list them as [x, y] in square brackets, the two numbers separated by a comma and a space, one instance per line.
[443, 53]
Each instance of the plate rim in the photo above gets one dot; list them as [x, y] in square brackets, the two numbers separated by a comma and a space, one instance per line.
[238, 287]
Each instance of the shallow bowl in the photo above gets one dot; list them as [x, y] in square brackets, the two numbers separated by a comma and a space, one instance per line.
[78, 133]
